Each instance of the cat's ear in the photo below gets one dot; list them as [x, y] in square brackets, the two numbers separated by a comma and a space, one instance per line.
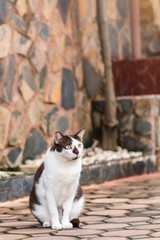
[58, 137]
[80, 134]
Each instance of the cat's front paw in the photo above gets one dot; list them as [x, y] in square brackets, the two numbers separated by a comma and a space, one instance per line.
[46, 224]
[57, 226]
[67, 225]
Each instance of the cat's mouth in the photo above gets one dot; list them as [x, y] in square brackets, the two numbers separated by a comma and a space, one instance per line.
[75, 158]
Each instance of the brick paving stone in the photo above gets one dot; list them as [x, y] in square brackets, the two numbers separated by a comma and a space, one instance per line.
[126, 233]
[3, 229]
[109, 200]
[108, 213]
[148, 226]
[127, 219]
[106, 226]
[31, 230]
[12, 237]
[156, 234]
[78, 232]
[51, 237]
[129, 206]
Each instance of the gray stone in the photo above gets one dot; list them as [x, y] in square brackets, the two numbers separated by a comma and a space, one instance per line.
[3, 196]
[113, 39]
[84, 179]
[105, 173]
[48, 122]
[18, 22]
[150, 167]
[18, 125]
[62, 124]
[1, 72]
[126, 123]
[126, 105]
[148, 31]
[14, 158]
[42, 76]
[17, 187]
[92, 80]
[129, 142]
[139, 167]
[143, 107]
[123, 7]
[63, 8]
[127, 169]
[95, 173]
[27, 85]
[120, 23]
[144, 145]
[142, 127]
[68, 95]
[33, 27]
[28, 184]
[44, 32]
[21, 44]
[126, 43]
[4, 184]
[4, 8]
[9, 79]
[35, 145]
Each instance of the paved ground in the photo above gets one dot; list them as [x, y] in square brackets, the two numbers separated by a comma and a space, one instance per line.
[121, 209]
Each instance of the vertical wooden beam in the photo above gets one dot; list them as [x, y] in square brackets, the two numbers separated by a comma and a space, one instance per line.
[135, 29]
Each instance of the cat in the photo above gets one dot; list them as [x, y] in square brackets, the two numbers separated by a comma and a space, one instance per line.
[57, 199]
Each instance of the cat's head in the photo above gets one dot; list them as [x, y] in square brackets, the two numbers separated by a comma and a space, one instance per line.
[69, 146]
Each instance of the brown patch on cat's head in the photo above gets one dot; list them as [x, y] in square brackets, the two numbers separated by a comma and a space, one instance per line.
[61, 141]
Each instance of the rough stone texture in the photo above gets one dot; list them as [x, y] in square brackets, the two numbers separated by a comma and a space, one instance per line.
[126, 105]
[21, 6]
[48, 122]
[123, 7]
[35, 145]
[143, 107]
[4, 8]
[27, 84]
[38, 56]
[62, 124]
[1, 72]
[54, 57]
[5, 40]
[126, 123]
[4, 126]
[92, 80]
[44, 32]
[33, 4]
[129, 142]
[47, 8]
[33, 28]
[113, 39]
[14, 158]
[9, 79]
[42, 76]
[63, 7]
[53, 92]
[35, 111]
[143, 127]
[18, 125]
[18, 22]
[68, 95]
[21, 44]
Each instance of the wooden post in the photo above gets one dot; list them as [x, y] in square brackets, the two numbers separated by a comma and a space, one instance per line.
[109, 138]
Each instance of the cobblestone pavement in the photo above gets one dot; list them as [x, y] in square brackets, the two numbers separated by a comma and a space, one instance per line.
[121, 209]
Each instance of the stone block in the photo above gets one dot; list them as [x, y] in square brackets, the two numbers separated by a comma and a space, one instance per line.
[5, 184]
[129, 142]
[14, 158]
[18, 22]
[44, 32]
[1, 72]
[18, 125]
[54, 57]
[28, 184]
[127, 169]
[113, 39]
[5, 40]
[4, 8]
[95, 174]
[38, 56]
[126, 123]
[47, 8]
[53, 91]
[145, 145]
[27, 85]
[35, 111]
[67, 94]
[48, 122]
[62, 124]
[125, 105]
[17, 187]
[3, 196]
[92, 80]
[35, 145]
[84, 179]
[106, 173]
[42, 76]
[143, 107]
[63, 7]
[150, 166]
[123, 7]
[33, 27]
[33, 4]
[9, 79]
[139, 167]
[142, 127]
[21, 6]
[21, 44]
[4, 126]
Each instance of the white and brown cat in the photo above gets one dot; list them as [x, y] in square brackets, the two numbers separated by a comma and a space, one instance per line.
[57, 199]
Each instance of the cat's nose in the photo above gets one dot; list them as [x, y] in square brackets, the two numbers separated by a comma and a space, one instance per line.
[75, 150]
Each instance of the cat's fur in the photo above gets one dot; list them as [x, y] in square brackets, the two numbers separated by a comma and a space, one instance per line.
[56, 199]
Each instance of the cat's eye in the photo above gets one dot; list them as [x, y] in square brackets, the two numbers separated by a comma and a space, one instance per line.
[79, 145]
[68, 147]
